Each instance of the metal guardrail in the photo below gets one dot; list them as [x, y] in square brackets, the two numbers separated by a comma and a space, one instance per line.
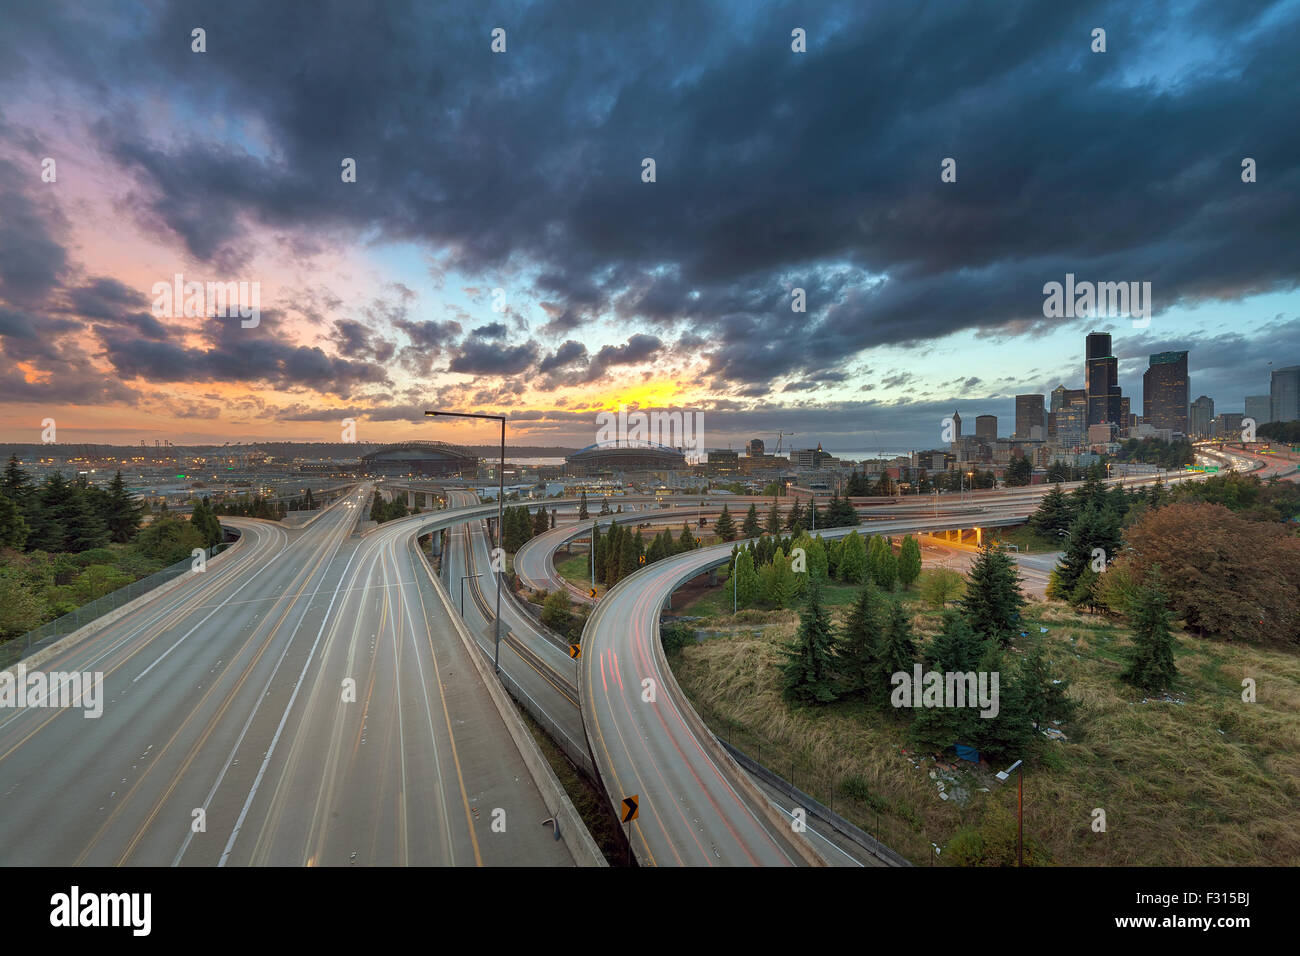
[15, 649]
[817, 809]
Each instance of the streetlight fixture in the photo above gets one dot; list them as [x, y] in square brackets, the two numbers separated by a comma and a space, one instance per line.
[462, 590]
[1004, 775]
[501, 496]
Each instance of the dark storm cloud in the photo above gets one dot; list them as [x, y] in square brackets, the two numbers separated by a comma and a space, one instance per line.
[231, 353]
[774, 169]
[32, 261]
[483, 357]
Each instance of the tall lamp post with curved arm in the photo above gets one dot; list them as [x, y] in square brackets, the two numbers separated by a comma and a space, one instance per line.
[501, 495]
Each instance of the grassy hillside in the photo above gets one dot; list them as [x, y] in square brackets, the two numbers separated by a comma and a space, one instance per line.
[1199, 778]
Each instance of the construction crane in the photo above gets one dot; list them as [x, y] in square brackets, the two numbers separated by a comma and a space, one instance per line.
[779, 436]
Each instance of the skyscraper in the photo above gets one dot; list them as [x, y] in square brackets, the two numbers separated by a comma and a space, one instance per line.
[1030, 415]
[986, 427]
[1165, 391]
[1200, 417]
[1258, 407]
[1284, 394]
[1101, 380]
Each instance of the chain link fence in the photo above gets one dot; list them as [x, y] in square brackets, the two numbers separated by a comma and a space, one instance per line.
[15, 649]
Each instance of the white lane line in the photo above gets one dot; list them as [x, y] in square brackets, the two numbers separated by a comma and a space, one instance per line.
[311, 654]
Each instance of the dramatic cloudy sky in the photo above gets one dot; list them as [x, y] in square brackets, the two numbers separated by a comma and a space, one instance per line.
[522, 171]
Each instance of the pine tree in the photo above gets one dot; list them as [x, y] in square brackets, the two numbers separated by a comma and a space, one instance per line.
[1151, 662]
[746, 579]
[539, 522]
[582, 507]
[17, 485]
[687, 540]
[751, 528]
[955, 649]
[909, 562]
[1053, 515]
[724, 527]
[13, 527]
[897, 648]
[857, 652]
[886, 566]
[1094, 529]
[773, 520]
[795, 516]
[1044, 698]
[604, 507]
[853, 560]
[810, 661]
[993, 599]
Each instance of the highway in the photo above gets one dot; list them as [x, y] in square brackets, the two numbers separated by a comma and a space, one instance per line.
[231, 695]
[696, 806]
[540, 668]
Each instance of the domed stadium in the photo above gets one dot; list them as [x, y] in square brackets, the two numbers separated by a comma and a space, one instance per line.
[624, 457]
[426, 458]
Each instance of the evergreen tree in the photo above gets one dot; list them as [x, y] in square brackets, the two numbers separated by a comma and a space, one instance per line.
[1020, 472]
[17, 485]
[604, 507]
[687, 540]
[956, 649]
[725, 528]
[909, 562]
[13, 527]
[746, 579]
[886, 566]
[795, 516]
[1054, 514]
[540, 523]
[778, 584]
[582, 507]
[1151, 661]
[1095, 528]
[1044, 699]
[993, 600]
[552, 517]
[773, 520]
[628, 555]
[597, 549]
[853, 560]
[897, 648]
[857, 652]
[751, 528]
[810, 661]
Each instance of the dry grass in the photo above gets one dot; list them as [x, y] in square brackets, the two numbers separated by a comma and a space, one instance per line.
[1206, 781]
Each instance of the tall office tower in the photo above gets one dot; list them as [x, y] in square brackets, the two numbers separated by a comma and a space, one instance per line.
[1030, 415]
[1101, 379]
[1165, 391]
[1058, 399]
[956, 426]
[986, 427]
[1258, 407]
[1124, 414]
[1200, 417]
[756, 448]
[1070, 427]
[1284, 394]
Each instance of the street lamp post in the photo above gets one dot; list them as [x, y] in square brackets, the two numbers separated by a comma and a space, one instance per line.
[462, 590]
[501, 496]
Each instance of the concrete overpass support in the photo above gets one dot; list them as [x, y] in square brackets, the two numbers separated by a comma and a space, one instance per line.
[410, 500]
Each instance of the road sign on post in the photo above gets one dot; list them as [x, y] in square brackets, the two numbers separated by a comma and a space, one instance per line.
[575, 651]
[591, 592]
[630, 807]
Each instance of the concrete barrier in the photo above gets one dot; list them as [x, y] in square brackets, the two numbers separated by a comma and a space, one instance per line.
[576, 837]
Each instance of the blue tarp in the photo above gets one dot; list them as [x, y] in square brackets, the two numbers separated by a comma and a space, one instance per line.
[967, 753]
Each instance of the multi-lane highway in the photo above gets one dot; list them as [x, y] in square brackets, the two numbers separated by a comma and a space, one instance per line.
[696, 807]
[306, 701]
